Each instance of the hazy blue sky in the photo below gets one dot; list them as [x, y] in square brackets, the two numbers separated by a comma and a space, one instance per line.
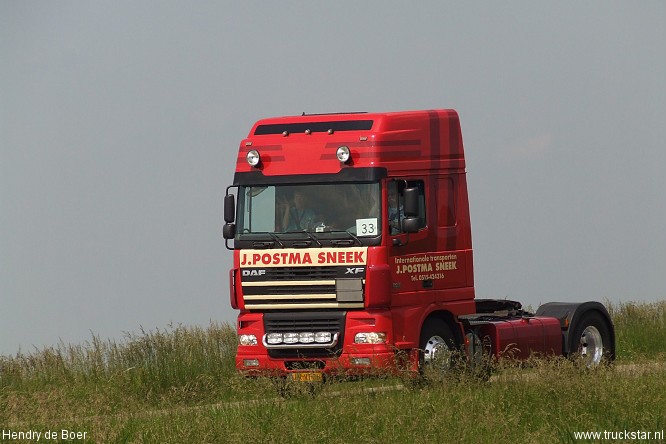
[120, 121]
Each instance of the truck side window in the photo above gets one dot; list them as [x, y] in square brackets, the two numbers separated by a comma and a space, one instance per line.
[395, 207]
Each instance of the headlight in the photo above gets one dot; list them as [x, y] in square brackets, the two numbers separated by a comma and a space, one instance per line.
[253, 158]
[370, 338]
[323, 337]
[306, 338]
[274, 338]
[247, 340]
[290, 338]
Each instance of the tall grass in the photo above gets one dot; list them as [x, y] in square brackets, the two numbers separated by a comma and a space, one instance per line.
[179, 385]
[174, 366]
[640, 330]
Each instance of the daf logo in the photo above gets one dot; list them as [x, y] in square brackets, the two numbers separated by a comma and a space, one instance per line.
[354, 270]
[253, 272]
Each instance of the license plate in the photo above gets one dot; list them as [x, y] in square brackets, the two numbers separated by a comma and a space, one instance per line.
[307, 376]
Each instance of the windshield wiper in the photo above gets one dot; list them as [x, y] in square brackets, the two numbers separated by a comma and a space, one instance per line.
[313, 237]
[267, 244]
[260, 243]
[351, 241]
[342, 242]
[304, 242]
[277, 239]
[353, 236]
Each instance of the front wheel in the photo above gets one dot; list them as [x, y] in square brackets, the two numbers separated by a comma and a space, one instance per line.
[437, 347]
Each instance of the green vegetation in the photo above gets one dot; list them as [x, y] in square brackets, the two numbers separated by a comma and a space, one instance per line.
[179, 385]
[640, 330]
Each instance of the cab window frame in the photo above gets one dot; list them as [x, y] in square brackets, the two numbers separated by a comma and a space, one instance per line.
[395, 212]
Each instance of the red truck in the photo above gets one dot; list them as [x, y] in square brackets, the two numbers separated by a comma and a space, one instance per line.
[353, 253]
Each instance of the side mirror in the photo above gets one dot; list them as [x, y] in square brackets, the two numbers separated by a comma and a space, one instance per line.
[229, 230]
[411, 202]
[410, 224]
[229, 209]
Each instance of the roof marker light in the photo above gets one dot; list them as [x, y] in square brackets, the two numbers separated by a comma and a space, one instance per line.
[253, 158]
[343, 154]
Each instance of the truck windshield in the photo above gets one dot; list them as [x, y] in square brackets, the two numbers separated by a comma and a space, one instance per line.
[347, 208]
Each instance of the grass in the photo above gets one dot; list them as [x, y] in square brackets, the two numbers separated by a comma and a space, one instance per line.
[640, 330]
[179, 385]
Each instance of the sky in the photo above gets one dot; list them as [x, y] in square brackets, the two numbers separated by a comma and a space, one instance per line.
[120, 123]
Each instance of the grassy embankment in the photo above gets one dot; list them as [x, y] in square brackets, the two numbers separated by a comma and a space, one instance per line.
[179, 385]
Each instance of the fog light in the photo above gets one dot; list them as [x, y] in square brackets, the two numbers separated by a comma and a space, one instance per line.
[343, 154]
[290, 338]
[360, 361]
[370, 338]
[251, 362]
[323, 337]
[274, 338]
[306, 337]
[247, 340]
[253, 158]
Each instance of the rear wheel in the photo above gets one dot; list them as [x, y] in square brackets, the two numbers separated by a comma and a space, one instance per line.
[592, 340]
[480, 363]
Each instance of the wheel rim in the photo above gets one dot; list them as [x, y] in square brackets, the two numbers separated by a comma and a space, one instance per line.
[436, 352]
[591, 346]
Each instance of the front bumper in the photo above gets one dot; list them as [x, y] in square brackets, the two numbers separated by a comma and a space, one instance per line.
[378, 360]
[347, 357]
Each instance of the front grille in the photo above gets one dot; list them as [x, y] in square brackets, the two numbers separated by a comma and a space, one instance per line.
[288, 289]
[304, 365]
[304, 322]
[301, 273]
[305, 288]
[297, 322]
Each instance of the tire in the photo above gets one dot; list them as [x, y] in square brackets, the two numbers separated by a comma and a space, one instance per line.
[591, 341]
[437, 347]
[479, 358]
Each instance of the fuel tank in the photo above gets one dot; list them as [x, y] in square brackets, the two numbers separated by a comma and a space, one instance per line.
[519, 338]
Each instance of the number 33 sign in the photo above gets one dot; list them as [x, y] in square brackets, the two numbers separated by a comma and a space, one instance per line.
[367, 227]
